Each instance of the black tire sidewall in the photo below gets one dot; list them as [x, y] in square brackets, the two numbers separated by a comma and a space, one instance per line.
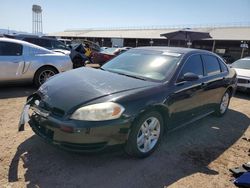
[131, 145]
[218, 112]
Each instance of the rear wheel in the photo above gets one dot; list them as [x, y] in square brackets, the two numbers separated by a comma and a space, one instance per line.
[43, 74]
[145, 135]
[221, 109]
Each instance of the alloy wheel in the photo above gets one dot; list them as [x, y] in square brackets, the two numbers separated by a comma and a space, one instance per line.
[224, 103]
[45, 75]
[148, 134]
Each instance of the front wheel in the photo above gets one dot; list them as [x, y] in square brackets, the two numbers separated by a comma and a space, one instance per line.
[221, 109]
[145, 135]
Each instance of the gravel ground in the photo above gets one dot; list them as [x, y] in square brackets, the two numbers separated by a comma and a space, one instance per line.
[198, 155]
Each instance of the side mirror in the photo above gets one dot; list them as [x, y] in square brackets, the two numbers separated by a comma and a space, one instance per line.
[189, 76]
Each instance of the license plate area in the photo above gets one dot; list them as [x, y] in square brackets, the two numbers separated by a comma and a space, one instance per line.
[42, 127]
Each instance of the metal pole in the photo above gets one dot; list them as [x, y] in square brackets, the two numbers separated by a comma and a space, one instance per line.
[37, 31]
[36, 23]
[32, 22]
[213, 48]
[41, 23]
[168, 42]
[242, 52]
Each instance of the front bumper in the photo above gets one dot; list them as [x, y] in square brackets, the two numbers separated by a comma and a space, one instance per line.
[79, 135]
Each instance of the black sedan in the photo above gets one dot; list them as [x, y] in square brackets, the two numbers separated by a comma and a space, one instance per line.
[131, 100]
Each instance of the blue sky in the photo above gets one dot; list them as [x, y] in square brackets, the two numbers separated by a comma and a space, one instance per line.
[59, 15]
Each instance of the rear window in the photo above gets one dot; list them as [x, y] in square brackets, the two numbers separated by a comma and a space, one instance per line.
[211, 64]
[10, 49]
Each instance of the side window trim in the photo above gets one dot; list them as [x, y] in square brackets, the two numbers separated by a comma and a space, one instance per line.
[206, 74]
[220, 63]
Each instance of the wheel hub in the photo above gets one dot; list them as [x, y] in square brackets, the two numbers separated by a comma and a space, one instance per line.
[148, 134]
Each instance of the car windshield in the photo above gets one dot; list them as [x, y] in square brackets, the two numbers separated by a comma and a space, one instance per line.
[242, 64]
[144, 64]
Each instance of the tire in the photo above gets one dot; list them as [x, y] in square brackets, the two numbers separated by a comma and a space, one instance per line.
[41, 73]
[142, 140]
[222, 108]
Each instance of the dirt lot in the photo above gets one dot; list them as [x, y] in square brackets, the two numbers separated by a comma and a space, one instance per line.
[198, 155]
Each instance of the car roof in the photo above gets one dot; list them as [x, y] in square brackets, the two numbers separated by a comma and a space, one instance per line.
[23, 43]
[173, 49]
[24, 36]
[64, 39]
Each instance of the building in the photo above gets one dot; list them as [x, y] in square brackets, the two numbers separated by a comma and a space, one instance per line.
[226, 41]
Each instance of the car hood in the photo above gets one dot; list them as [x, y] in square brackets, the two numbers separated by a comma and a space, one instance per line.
[243, 72]
[80, 86]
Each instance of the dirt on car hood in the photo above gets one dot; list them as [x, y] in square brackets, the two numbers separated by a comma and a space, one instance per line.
[82, 85]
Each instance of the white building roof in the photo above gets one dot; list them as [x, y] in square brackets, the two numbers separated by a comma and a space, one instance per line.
[226, 33]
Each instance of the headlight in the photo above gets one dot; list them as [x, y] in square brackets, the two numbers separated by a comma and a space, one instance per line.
[98, 112]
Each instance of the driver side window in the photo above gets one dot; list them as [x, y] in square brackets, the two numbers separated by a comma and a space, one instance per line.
[192, 65]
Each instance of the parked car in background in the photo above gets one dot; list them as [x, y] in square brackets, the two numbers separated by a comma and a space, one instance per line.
[242, 67]
[103, 56]
[51, 43]
[21, 61]
[131, 100]
[107, 54]
[45, 42]
[78, 52]
[67, 42]
[78, 55]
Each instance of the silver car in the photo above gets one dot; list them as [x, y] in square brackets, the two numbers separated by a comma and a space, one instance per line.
[24, 62]
[242, 68]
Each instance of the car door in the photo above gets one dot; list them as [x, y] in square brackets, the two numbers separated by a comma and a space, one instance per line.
[11, 60]
[186, 102]
[214, 83]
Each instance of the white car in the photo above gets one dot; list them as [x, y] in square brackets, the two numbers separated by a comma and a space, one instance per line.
[21, 61]
[242, 67]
